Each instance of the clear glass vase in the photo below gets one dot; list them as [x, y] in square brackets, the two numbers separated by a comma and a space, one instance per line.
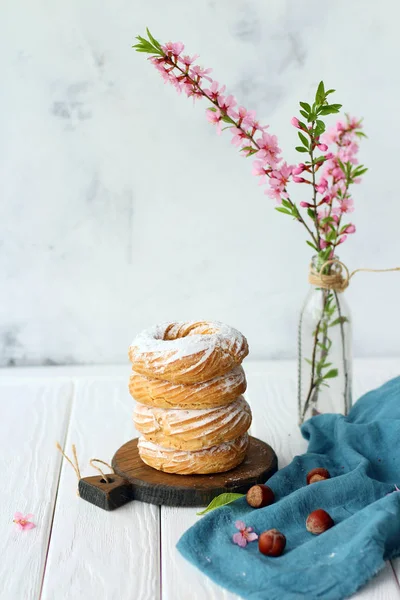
[325, 351]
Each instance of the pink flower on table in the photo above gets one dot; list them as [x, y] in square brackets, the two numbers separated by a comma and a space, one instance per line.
[245, 535]
[269, 149]
[214, 90]
[214, 117]
[174, 48]
[346, 205]
[22, 522]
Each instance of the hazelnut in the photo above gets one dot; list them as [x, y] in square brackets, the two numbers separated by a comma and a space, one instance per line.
[259, 496]
[271, 542]
[317, 474]
[319, 521]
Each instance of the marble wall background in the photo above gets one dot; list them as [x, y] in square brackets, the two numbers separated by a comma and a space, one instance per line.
[119, 205]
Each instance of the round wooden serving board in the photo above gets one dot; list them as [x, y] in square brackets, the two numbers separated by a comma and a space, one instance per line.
[168, 489]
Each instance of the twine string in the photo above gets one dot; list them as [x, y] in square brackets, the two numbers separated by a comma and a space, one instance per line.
[93, 460]
[338, 279]
[75, 464]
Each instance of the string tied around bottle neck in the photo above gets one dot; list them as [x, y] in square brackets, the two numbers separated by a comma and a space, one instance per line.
[337, 279]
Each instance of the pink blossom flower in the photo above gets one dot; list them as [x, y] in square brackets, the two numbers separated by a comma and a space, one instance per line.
[239, 136]
[198, 72]
[214, 90]
[245, 117]
[279, 178]
[306, 204]
[269, 149]
[298, 179]
[342, 239]
[259, 170]
[227, 104]
[188, 60]
[214, 117]
[349, 228]
[296, 123]
[175, 48]
[346, 205]
[299, 169]
[322, 147]
[245, 535]
[22, 522]
[255, 125]
[322, 186]
[323, 244]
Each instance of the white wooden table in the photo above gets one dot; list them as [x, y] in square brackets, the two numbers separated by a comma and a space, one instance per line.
[78, 551]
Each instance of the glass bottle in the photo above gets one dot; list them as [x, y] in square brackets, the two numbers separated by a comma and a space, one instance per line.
[324, 351]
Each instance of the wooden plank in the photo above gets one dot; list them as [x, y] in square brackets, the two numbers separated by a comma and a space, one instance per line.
[94, 553]
[33, 415]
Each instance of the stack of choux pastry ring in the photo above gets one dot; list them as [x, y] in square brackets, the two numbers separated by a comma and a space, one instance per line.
[188, 382]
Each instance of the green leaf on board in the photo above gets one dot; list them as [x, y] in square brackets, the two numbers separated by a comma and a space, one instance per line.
[219, 501]
[330, 374]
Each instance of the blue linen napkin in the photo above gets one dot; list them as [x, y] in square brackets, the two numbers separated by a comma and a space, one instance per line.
[362, 454]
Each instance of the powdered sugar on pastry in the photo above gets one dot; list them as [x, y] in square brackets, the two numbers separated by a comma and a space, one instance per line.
[187, 352]
[193, 429]
[165, 394]
[217, 459]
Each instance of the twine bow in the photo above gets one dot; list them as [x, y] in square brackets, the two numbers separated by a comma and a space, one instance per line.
[337, 279]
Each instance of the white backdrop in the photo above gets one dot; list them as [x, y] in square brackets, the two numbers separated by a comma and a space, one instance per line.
[120, 207]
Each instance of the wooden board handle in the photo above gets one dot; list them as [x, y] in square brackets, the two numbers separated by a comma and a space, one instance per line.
[117, 492]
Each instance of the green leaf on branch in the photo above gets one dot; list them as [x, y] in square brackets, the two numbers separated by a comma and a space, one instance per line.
[311, 213]
[301, 149]
[306, 106]
[153, 40]
[319, 159]
[303, 138]
[332, 373]
[320, 95]
[219, 501]
[304, 114]
[330, 109]
[339, 321]
[313, 246]
[283, 210]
